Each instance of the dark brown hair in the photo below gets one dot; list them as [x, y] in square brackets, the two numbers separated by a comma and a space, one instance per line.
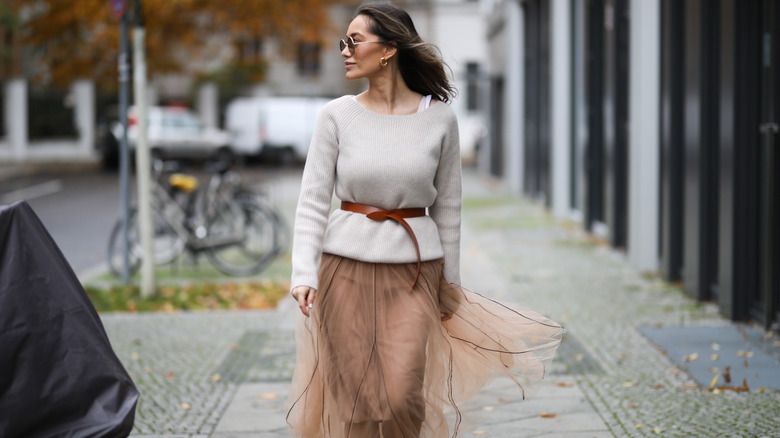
[419, 62]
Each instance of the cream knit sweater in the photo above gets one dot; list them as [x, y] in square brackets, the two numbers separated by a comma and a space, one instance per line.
[385, 161]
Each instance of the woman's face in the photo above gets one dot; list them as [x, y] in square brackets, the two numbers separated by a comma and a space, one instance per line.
[364, 61]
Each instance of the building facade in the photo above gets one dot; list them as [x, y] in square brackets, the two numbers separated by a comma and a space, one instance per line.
[654, 123]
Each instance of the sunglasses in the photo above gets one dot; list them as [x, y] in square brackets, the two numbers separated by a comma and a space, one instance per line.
[351, 43]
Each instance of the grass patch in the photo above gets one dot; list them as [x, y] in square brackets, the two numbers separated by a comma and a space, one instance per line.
[510, 222]
[474, 203]
[189, 297]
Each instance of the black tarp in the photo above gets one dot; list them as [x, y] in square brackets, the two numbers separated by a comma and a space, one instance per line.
[59, 376]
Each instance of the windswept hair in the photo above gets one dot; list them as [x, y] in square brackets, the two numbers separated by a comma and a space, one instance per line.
[419, 62]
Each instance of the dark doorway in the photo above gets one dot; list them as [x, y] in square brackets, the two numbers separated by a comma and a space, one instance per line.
[700, 178]
[594, 93]
[496, 126]
[615, 114]
[536, 160]
[767, 302]
[672, 119]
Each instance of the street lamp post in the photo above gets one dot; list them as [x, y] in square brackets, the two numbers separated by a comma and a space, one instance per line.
[143, 165]
[118, 8]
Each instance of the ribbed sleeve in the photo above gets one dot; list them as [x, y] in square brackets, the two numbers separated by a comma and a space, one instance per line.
[311, 215]
[388, 162]
[446, 210]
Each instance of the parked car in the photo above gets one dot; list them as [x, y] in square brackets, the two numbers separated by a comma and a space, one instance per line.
[172, 133]
[273, 127]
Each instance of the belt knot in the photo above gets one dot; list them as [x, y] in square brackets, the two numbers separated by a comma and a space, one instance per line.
[398, 215]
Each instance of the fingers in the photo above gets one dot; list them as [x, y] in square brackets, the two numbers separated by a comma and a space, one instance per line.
[305, 297]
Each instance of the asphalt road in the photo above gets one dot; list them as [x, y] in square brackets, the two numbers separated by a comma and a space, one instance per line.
[80, 205]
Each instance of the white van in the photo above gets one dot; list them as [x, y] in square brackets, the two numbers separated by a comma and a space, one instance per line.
[278, 127]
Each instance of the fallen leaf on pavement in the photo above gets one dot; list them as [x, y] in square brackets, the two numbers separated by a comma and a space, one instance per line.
[691, 357]
[186, 406]
[216, 377]
[269, 396]
[628, 384]
[639, 426]
[548, 415]
[715, 346]
[169, 376]
[714, 380]
[565, 384]
[657, 430]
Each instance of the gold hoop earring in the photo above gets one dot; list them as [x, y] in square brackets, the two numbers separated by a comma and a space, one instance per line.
[383, 62]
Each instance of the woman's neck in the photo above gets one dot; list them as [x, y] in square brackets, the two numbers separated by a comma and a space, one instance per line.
[389, 94]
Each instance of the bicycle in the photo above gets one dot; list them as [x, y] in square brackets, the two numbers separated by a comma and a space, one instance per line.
[229, 222]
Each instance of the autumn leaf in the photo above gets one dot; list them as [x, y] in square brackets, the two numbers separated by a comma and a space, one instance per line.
[78, 39]
[565, 384]
[714, 380]
[691, 357]
[548, 415]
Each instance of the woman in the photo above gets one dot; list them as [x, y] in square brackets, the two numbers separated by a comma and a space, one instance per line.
[387, 340]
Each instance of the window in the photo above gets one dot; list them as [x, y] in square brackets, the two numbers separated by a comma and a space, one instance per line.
[472, 86]
[308, 59]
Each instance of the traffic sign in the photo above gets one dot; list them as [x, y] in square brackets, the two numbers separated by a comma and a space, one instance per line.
[118, 7]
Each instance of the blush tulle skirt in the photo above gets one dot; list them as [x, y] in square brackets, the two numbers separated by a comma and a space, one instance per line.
[376, 360]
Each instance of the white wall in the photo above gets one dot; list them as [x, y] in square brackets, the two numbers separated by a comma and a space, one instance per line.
[16, 146]
[514, 133]
[560, 105]
[643, 139]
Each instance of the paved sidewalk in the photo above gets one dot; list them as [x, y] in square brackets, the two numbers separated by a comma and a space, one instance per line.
[225, 374]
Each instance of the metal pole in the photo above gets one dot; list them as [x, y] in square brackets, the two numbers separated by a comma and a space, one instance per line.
[143, 166]
[124, 155]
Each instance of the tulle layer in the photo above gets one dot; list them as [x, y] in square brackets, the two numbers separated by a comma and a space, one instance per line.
[375, 359]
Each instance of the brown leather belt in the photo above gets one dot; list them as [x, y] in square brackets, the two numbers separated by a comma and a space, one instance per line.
[398, 215]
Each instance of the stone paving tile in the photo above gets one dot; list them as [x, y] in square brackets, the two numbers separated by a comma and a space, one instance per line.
[187, 366]
[515, 252]
[601, 300]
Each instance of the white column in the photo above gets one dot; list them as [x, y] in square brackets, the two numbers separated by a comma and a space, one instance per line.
[643, 140]
[84, 93]
[16, 117]
[208, 104]
[514, 114]
[560, 105]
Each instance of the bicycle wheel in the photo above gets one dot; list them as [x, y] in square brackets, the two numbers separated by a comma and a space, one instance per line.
[166, 244]
[256, 243]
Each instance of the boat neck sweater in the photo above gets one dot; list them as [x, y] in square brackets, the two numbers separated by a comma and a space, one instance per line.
[386, 161]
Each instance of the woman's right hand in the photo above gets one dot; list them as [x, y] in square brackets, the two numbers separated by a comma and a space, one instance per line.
[305, 297]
